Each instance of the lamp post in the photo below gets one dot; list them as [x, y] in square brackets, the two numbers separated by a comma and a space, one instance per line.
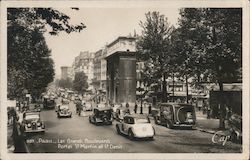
[140, 89]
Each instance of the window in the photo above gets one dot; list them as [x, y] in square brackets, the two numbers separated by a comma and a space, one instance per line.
[125, 119]
[130, 120]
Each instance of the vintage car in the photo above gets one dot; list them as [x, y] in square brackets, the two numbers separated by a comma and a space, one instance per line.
[49, 103]
[136, 126]
[175, 115]
[63, 111]
[65, 101]
[101, 116]
[31, 122]
[88, 106]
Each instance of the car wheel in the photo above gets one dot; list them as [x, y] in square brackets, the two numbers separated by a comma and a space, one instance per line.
[131, 134]
[151, 138]
[156, 121]
[169, 125]
[90, 120]
[118, 129]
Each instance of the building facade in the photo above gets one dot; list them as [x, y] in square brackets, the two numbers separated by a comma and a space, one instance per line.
[121, 70]
[97, 70]
[85, 63]
[66, 72]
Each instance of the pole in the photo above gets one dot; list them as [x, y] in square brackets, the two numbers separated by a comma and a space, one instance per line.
[187, 88]
[173, 87]
[141, 96]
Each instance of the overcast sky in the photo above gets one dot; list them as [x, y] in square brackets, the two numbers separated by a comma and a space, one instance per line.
[103, 26]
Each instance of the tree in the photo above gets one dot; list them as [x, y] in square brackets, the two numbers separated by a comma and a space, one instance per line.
[80, 83]
[211, 40]
[29, 64]
[29, 57]
[65, 83]
[44, 19]
[154, 48]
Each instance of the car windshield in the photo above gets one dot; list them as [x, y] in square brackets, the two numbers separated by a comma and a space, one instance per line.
[101, 105]
[32, 117]
[184, 112]
[64, 107]
[141, 120]
[88, 105]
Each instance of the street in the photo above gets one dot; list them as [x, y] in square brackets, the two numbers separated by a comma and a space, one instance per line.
[77, 135]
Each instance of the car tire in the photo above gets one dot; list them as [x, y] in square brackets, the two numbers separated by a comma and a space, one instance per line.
[130, 134]
[90, 120]
[151, 138]
[156, 121]
[169, 125]
[118, 129]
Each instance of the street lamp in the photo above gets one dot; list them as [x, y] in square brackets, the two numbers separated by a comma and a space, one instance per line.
[141, 110]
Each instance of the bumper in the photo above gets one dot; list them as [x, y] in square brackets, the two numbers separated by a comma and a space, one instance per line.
[183, 125]
[65, 115]
[36, 130]
[144, 136]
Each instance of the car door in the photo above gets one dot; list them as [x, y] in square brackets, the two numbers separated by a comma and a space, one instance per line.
[125, 125]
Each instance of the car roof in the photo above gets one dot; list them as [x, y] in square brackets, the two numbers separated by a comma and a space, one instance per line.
[31, 112]
[136, 116]
[64, 106]
[103, 108]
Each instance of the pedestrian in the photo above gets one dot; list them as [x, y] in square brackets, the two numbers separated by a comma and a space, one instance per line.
[127, 105]
[149, 109]
[135, 109]
[127, 111]
[208, 112]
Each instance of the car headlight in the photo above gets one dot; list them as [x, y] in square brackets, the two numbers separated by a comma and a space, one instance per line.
[38, 124]
[28, 125]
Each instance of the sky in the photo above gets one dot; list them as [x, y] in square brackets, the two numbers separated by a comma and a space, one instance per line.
[103, 25]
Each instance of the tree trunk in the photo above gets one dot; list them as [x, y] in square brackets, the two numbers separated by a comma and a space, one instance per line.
[164, 88]
[222, 106]
[186, 89]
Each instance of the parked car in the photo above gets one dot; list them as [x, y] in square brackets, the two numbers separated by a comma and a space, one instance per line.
[136, 126]
[31, 122]
[175, 115]
[88, 106]
[101, 116]
[64, 111]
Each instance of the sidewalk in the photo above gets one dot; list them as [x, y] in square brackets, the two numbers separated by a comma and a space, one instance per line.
[206, 125]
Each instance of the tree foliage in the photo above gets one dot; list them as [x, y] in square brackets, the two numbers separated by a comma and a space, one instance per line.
[80, 83]
[210, 39]
[154, 48]
[65, 83]
[29, 64]
[208, 43]
[44, 19]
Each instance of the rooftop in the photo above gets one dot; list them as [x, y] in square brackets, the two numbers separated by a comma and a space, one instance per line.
[120, 38]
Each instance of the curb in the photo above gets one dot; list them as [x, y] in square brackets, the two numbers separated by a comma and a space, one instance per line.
[205, 130]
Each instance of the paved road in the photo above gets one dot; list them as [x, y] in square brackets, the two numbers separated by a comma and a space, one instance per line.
[77, 135]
